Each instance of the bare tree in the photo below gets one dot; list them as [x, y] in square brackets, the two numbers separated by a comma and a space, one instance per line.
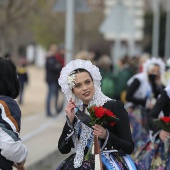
[14, 14]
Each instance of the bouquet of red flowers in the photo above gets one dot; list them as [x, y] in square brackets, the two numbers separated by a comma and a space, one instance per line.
[164, 124]
[101, 116]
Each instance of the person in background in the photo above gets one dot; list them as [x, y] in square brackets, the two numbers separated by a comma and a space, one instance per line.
[53, 66]
[142, 59]
[60, 55]
[80, 82]
[8, 55]
[12, 151]
[95, 55]
[166, 77]
[107, 83]
[153, 155]
[143, 90]
[145, 86]
[121, 76]
[84, 55]
[23, 77]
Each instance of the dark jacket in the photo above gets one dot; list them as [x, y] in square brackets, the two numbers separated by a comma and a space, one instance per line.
[162, 104]
[119, 135]
[53, 69]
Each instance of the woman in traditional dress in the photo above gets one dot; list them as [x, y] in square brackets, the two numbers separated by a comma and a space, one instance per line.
[156, 153]
[142, 93]
[80, 82]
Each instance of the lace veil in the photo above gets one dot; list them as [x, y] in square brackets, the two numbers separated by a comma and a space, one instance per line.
[99, 98]
[152, 61]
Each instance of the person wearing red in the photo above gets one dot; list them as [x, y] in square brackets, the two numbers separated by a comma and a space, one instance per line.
[54, 64]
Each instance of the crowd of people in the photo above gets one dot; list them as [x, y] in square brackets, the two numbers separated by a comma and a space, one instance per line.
[135, 90]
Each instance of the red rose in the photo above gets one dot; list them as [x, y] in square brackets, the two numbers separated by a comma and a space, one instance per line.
[101, 116]
[165, 119]
[109, 113]
[112, 123]
[99, 111]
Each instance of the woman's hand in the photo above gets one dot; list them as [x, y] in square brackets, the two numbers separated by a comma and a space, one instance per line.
[20, 166]
[164, 135]
[70, 110]
[99, 131]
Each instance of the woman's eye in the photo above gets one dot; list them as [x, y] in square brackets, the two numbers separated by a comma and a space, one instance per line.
[88, 82]
[77, 85]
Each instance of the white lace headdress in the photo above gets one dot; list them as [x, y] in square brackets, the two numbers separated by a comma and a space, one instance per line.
[154, 60]
[66, 81]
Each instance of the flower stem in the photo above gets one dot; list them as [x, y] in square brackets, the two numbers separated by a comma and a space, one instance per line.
[87, 157]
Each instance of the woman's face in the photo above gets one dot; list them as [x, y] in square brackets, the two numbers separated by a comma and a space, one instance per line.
[84, 87]
[155, 70]
[154, 74]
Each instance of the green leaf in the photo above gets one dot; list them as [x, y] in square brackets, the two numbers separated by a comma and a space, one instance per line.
[161, 125]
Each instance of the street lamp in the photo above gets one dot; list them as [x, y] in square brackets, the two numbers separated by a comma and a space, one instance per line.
[70, 7]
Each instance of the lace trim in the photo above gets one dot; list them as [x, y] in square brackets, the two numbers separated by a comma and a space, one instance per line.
[106, 139]
[99, 99]
[153, 137]
[75, 136]
[81, 143]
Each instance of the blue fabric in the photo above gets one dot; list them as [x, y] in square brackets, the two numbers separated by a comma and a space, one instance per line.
[131, 162]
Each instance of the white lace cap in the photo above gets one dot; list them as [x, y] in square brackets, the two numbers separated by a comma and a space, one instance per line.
[93, 70]
[154, 60]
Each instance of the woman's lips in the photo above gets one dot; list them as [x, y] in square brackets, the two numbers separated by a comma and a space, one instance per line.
[86, 94]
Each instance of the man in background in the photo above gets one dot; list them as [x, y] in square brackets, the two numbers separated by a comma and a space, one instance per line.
[54, 64]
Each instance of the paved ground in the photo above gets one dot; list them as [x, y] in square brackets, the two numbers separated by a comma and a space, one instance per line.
[40, 133]
[35, 92]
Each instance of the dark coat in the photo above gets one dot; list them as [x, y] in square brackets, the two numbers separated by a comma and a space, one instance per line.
[162, 104]
[119, 135]
[53, 69]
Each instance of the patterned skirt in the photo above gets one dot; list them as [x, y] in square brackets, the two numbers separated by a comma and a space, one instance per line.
[110, 161]
[137, 120]
[153, 157]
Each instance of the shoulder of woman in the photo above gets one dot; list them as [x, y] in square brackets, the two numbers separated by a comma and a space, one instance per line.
[113, 104]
